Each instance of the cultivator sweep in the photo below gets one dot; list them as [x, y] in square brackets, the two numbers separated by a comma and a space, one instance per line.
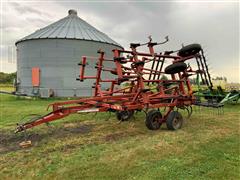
[137, 86]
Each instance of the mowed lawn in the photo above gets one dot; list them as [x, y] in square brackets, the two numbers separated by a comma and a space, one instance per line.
[99, 147]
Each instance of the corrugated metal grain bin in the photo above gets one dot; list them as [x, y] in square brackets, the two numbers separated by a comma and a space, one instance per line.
[47, 59]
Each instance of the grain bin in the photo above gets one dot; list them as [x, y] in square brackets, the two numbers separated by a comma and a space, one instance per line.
[47, 59]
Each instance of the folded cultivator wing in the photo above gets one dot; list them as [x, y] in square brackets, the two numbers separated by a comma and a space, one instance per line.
[138, 85]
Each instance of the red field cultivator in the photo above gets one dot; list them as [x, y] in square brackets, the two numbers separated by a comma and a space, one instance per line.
[137, 86]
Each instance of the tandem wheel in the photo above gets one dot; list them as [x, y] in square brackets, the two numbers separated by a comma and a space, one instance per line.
[174, 120]
[189, 50]
[153, 120]
[124, 115]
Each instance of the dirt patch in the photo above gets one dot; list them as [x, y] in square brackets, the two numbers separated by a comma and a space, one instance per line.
[9, 142]
[79, 130]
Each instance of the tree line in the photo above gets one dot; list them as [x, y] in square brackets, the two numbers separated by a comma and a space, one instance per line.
[7, 78]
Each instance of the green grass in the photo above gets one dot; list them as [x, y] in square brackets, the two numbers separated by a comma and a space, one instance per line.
[6, 87]
[88, 147]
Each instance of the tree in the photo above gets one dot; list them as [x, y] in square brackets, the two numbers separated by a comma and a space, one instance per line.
[7, 78]
[164, 77]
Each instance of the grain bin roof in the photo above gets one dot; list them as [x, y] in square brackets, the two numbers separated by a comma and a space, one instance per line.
[70, 27]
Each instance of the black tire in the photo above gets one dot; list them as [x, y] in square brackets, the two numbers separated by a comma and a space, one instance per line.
[176, 68]
[174, 120]
[153, 120]
[124, 115]
[189, 50]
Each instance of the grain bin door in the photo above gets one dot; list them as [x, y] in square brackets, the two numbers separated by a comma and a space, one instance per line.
[35, 76]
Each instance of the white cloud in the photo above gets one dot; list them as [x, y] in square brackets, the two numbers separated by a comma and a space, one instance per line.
[7, 67]
[214, 25]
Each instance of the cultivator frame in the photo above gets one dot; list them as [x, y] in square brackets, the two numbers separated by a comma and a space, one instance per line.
[131, 67]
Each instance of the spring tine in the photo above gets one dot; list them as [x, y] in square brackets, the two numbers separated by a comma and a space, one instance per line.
[204, 73]
[154, 76]
[198, 64]
[151, 72]
[161, 68]
[208, 74]
[108, 116]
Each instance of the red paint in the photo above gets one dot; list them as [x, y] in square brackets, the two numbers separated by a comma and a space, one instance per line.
[35, 76]
[135, 97]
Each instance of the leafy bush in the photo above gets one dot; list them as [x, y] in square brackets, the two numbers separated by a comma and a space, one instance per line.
[6, 78]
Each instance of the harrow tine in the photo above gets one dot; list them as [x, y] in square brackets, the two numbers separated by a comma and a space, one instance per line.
[189, 111]
[107, 119]
[208, 74]
[160, 70]
[151, 72]
[156, 68]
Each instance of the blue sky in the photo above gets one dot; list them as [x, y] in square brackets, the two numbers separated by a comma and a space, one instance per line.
[215, 25]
